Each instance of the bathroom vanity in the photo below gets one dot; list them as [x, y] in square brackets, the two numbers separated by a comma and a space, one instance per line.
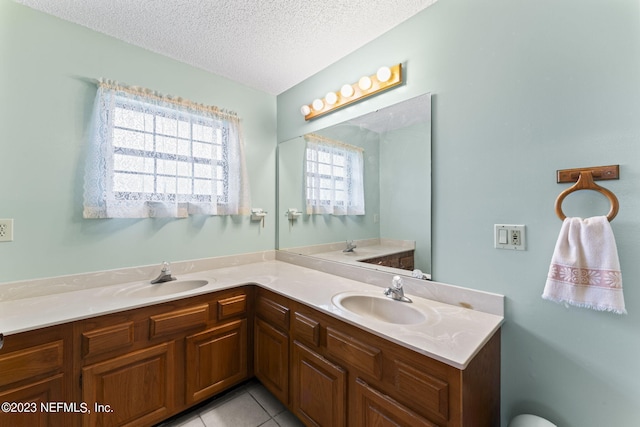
[107, 358]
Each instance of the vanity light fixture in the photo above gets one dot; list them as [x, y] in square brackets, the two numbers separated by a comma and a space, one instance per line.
[346, 91]
[385, 78]
[365, 83]
[331, 98]
[384, 74]
[317, 104]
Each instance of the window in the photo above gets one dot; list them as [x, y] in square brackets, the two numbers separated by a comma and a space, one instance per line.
[334, 177]
[153, 156]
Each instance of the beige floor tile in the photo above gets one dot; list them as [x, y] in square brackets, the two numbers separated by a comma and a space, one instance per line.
[267, 400]
[241, 411]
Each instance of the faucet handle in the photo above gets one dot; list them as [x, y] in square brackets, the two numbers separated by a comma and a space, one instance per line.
[397, 282]
[165, 266]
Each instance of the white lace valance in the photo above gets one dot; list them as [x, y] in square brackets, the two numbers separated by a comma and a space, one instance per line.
[157, 156]
[334, 176]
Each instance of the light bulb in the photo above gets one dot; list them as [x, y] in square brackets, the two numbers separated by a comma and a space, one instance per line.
[346, 91]
[331, 98]
[364, 83]
[317, 104]
[383, 74]
[305, 110]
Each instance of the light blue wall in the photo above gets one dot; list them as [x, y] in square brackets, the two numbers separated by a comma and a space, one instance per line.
[45, 103]
[521, 89]
[405, 189]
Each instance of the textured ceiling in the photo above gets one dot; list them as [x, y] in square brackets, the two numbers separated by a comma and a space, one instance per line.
[270, 45]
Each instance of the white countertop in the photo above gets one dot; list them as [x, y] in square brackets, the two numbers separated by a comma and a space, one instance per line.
[365, 250]
[451, 334]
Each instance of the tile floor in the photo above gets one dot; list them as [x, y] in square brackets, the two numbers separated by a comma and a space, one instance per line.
[249, 405]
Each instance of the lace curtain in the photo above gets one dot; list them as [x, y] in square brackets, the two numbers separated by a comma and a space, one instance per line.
[334, 176]
[157, 156]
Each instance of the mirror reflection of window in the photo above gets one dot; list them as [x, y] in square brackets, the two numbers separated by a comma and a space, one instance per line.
[334, 177]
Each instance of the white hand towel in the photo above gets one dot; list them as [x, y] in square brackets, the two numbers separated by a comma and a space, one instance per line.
[585, 270]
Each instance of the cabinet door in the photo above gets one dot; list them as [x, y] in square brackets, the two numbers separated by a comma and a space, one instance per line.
[319, 389]
[29, 397]
[374, 409]
[215, 360]
[271, 364]
[134, 389]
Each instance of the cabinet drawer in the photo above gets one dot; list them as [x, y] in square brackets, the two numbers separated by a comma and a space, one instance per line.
[364, 357]
[432, 393]
[232, 306]
[178, 320]
[306, 329]
[374, 408]
[274, 313]
[31, 362]
[106, 339]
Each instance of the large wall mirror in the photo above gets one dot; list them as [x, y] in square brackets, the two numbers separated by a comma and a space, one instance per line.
[394, 232]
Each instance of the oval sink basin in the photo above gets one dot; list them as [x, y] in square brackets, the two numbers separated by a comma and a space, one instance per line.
[380, 308]
[166, 288]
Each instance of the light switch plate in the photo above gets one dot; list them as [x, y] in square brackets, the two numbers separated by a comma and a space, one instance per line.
[515, 237]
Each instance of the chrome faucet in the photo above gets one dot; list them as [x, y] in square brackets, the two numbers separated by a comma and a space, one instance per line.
[396, 292]
[350, 246]
[165, 274]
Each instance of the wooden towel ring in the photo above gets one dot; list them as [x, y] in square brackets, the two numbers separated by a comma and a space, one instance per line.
[585, 182]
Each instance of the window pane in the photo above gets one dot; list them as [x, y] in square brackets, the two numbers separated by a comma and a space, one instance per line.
[325, 183]
[184, 186]
[183, 169]
[125, 163]
[166, 185]
[128, 139]
[202, 133]
[202, 150]
[184, 148]
[128, 119]
[184, 129]
[166, 145]
[324, 157]
[202, 187]
[324, 169]
[202, 171]
[216, 152]
[312, 154]
[166, 126]
[167, 167]
[131, 183]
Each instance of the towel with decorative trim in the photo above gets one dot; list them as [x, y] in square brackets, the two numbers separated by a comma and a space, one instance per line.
[585, 269]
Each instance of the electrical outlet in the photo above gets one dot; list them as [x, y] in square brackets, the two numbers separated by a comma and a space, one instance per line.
[515, 237]
[6, 230]
[508, 236]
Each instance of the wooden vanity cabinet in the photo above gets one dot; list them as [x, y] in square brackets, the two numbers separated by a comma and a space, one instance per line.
[145, 365]
[35, 370]
[403, 260]
[338, 365]
[318, 388]
[271, 343]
